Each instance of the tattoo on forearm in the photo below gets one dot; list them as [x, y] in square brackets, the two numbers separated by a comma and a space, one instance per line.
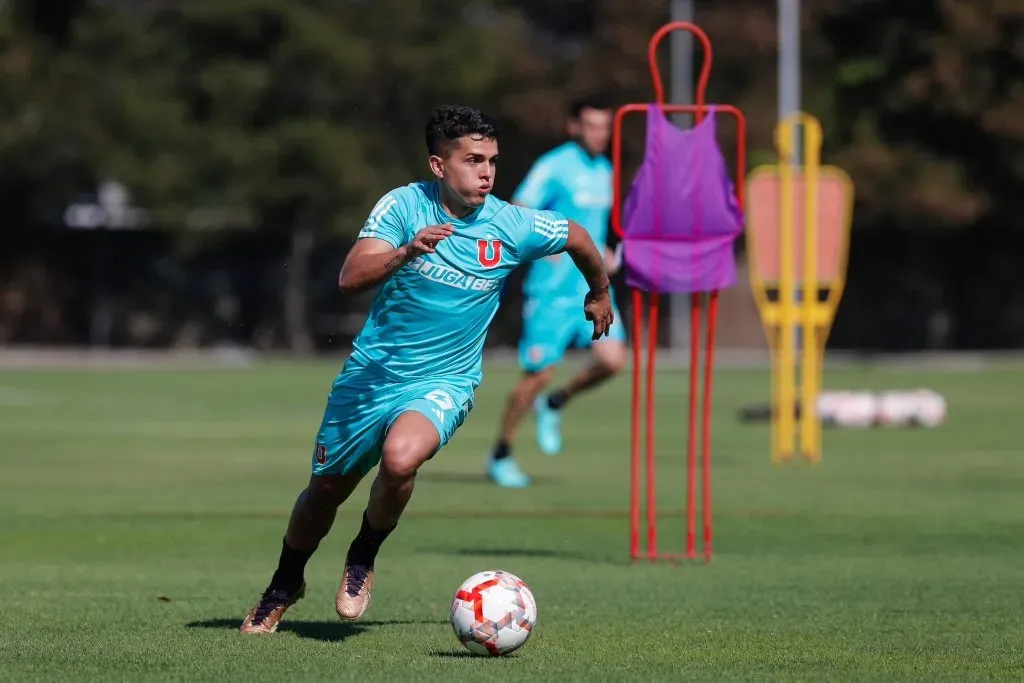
[393, 263]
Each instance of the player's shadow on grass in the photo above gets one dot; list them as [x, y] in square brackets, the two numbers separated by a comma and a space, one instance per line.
[458, 654]
[538, 553]
[326, 630]
[443, 477]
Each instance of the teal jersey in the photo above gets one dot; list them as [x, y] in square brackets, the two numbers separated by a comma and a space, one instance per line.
[570, 182]
[430, 318]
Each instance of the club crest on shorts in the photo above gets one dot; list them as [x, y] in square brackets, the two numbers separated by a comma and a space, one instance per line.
[320, 453]
[488, 252]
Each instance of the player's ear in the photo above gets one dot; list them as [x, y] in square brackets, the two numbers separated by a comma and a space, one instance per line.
[436, 166]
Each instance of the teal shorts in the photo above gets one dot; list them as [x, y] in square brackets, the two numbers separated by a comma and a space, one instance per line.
[551, 327]
[363, 404]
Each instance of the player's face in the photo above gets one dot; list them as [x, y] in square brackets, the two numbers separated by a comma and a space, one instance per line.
[593, 129]
[468, 169]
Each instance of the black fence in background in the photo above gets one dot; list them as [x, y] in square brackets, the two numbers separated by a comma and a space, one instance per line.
[907, 290]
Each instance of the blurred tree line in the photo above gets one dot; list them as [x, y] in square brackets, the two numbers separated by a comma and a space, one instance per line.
[257, 134]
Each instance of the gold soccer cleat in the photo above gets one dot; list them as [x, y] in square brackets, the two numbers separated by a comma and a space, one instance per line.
[266, 615]
[353, 595]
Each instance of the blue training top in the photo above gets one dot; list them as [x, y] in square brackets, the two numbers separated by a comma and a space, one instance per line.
[431, 317]
[569, 181]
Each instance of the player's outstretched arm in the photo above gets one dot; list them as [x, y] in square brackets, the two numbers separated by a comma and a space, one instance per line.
[590, 262]
[372, 261]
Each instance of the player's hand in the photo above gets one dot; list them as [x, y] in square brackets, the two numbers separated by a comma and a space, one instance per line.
[426, 240]
[597, 306]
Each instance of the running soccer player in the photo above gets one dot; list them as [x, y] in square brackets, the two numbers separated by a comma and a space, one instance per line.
[441, 251]
[575, 180]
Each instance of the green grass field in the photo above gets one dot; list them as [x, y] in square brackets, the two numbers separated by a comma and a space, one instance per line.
[142, 510]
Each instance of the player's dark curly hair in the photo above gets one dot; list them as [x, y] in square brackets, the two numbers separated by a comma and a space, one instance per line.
[589, 101]
[449, 122]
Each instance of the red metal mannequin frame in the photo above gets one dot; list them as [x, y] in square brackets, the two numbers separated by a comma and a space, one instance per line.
[698, 110]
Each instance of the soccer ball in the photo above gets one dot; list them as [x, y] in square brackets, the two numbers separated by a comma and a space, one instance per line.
[828, 406]
[857, 410]
[895, 409]
[493, 613]
[929, 408]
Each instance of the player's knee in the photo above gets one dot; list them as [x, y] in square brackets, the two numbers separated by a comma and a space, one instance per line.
[402, 456]
[327, 491]
[611, 357]
[537, 379]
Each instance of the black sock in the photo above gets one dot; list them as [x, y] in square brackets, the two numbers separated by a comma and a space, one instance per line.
[557, 399]
[501, 451]
[291, 568]
[366, 544]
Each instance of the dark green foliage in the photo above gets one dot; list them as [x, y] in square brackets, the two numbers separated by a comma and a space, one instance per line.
[294, 117]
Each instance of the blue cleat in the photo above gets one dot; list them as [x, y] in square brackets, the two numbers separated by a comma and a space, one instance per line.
[506, 473]
[549, 426]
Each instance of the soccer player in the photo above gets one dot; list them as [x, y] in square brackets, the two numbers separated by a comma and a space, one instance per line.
[441, 251]
[575, 180]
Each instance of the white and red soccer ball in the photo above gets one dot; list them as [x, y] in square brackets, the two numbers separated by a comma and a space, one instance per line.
[860, 409]
[930, 409]
[493, 613]
[850, 409]
[896, 409]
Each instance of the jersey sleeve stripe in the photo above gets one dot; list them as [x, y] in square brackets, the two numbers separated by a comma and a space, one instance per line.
[549, 227]
[544, 220]
[382, 205]
[379, 211]
[554, 234]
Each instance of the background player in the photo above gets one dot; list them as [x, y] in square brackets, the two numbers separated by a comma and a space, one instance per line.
[441, 251]
[573, 179]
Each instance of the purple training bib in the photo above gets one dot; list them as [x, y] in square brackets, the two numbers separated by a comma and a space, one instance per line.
[681, 216]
